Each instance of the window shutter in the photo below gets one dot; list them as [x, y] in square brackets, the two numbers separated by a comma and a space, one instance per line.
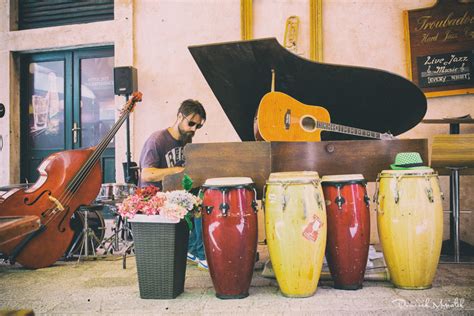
[36, 14]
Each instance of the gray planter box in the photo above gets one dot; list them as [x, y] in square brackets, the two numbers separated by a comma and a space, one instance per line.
[160, 248]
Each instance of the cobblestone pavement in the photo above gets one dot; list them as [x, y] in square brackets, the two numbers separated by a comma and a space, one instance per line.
[102, 286]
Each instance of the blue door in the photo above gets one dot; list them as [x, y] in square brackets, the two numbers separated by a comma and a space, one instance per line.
[67, 102]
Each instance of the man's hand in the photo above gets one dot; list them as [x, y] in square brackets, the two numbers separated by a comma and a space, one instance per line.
[158, 174]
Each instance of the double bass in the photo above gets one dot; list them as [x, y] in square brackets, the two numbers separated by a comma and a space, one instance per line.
[68, 180]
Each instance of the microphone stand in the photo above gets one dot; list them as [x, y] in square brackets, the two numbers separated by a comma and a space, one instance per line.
[128, 153]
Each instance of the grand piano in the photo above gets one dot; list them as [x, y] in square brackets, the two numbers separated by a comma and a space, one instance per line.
[240, 74]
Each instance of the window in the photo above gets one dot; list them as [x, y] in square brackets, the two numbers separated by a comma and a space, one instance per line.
[35, 14]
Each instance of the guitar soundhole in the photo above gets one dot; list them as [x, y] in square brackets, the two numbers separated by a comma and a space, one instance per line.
[308, 123]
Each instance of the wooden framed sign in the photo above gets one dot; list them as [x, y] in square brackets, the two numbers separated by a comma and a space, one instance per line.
[440, 47]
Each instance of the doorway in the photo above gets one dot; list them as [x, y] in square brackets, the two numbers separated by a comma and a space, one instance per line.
[67, 102]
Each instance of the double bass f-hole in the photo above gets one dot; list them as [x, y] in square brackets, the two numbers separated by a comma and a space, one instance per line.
[37, 198]
[61, 225]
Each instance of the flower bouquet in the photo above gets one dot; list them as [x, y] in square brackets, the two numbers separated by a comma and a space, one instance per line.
[160, 237]
[173, 205]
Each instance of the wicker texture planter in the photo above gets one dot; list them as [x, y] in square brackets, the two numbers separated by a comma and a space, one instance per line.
[160, 249]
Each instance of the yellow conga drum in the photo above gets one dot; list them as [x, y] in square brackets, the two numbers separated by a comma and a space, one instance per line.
[410, 225]
[295, 224]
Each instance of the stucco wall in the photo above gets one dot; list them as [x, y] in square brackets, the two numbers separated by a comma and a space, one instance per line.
[119, 33]
[364, 33]
[153, 36]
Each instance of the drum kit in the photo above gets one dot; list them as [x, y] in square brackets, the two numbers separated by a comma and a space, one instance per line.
[89, 224]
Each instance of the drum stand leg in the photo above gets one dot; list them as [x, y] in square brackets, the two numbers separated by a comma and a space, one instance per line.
[121, 233]
[116, 233]
[112, 241]
[128, 251]
[88, 237]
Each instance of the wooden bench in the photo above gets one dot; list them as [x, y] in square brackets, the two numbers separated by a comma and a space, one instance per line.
[12, 227]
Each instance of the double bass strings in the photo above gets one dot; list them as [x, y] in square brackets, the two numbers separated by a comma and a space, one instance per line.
[72, 187]
[75, 183]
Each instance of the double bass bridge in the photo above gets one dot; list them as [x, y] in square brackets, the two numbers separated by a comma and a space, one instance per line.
[59, 206]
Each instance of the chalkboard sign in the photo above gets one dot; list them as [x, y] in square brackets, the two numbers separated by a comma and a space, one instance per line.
[445, 69]
[440, 47]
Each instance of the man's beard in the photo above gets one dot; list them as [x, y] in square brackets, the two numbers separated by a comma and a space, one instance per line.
[185, 137]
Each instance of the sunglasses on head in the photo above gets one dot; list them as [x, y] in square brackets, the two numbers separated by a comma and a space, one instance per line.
[192, 124]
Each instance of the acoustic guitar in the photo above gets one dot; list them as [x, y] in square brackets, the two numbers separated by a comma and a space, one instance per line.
[282, 118]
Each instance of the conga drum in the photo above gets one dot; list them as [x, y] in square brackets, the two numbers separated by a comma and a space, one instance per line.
[295, 224]
[347, 206]
[229, 220]
[410, 225]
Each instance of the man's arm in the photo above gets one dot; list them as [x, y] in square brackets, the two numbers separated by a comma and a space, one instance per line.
[158, 174]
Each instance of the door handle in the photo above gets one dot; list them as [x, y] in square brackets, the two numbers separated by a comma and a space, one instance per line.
[75, 130]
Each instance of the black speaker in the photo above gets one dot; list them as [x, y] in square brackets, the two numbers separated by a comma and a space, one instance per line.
[125, 80]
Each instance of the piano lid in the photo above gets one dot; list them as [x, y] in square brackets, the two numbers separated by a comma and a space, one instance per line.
[239, 74]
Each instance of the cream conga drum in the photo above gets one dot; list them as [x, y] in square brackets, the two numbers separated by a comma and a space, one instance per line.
[410, 225]
[295, 223]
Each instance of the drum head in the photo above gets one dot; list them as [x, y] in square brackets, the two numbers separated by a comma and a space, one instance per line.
[293, 176]
[343, 178]
[228, 182]
[413, 172]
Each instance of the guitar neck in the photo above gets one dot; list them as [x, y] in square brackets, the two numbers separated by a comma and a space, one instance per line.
[347, 130]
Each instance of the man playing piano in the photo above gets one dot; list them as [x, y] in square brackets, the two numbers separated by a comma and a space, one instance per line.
[163, 154]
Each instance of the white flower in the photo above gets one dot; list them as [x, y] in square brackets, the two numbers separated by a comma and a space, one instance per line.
[182, 198]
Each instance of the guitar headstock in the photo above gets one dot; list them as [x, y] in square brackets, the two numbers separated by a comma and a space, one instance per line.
[387, 136]
[130, 105]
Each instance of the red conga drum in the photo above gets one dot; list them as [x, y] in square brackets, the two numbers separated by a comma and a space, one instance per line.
[348, 218]
[229, 223]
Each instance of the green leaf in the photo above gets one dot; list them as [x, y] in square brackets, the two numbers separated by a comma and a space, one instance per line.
[187, 182]
[187, 217]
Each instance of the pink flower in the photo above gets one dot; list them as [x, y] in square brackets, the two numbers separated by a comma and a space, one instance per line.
[149, 201]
